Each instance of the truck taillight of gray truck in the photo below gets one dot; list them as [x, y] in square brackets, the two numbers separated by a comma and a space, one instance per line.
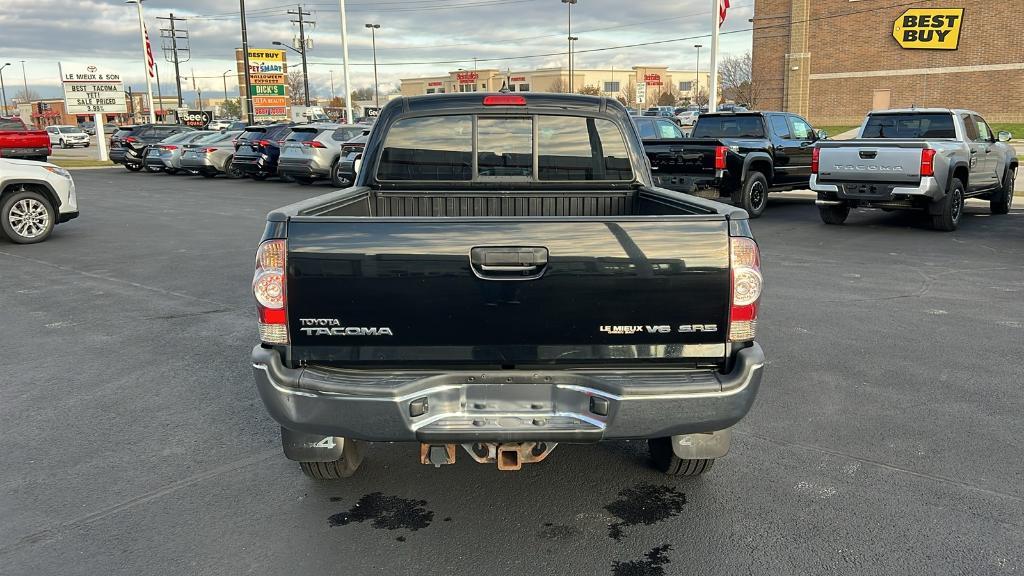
[928, 160]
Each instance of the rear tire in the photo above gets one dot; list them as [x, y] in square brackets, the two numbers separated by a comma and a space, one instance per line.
[344, 467]
[951, 208]
[232, 171]
[27, 217]
[667, 462]
[834, 215]
[337, 179]
[63, 144]
[1002, 201]
[753, 194]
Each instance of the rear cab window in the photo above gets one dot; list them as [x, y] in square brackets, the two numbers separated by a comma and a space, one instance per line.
[729, 126]
[12, 126]
[346, 134]
[510, 147]
[910, 125]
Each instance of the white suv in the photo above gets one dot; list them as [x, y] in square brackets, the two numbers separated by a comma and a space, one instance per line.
[67, 136]
[34, 197]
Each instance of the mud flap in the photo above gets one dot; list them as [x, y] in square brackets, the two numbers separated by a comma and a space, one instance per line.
[302, 447]
[702, 446]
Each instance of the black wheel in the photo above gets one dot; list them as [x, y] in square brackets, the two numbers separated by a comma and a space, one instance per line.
[26, 216]
[63, 144]
[232, 171]
[951, 208]
[86, 144]
[132, 166]
[666, 461]
[834, 215]
[344, 467]
[304, 180]
[753, 194]
[171, 171]
[1002, 201]
[337, 178]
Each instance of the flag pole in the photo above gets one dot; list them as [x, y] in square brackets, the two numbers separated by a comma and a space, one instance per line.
[145, 61]
[344, 53]
[716, 16]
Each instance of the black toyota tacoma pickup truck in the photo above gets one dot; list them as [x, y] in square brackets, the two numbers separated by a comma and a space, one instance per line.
[742, 156]
[504, 276]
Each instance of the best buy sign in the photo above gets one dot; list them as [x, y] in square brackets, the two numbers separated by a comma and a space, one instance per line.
[929, 28]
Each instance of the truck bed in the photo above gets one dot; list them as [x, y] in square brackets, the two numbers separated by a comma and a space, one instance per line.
[366, 202]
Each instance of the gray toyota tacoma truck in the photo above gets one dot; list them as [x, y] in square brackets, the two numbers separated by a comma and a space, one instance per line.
[925, 159]
[505, 276]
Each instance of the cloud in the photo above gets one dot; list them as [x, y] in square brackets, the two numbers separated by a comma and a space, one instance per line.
[413, 34]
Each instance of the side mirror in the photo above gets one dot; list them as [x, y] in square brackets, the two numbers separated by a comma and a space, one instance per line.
[1004, 136]
[357, 163]
[822, 135]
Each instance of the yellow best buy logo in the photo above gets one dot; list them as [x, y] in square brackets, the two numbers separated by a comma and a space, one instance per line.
[929, 28]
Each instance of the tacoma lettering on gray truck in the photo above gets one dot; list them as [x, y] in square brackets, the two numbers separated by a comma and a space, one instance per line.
[923, 159]
[504, 276]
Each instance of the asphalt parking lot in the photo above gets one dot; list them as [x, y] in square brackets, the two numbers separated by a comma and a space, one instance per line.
[886, 438]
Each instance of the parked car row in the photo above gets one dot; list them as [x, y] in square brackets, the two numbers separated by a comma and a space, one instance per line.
[927, 160]
[301, 153]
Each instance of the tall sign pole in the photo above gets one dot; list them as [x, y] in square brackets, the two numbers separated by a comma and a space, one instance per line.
[716, 19]
[245, 60]
[344, 52]
[145, 62]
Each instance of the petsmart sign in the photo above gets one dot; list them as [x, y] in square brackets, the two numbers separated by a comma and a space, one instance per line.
[929, 28]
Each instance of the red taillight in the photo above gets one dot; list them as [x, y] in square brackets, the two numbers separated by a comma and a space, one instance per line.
[268, 286]
[263, 143]
[314, 144]
[208, 150]
[130, 139]
[504, 100]
[168, 147]
[720, 152]
[815, 156]
[927, 162]
[747, 285]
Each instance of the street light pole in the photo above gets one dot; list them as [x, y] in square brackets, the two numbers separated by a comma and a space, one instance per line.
[376, 86]
[569, 3]
[145, 61]
[572, 57]
[224, 78]
[245, 63]
[24, 79]
[3, 90]
[696, 86]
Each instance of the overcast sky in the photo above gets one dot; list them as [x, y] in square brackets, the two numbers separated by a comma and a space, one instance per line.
[518, 34]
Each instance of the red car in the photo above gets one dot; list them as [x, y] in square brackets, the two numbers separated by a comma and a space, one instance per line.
[17, 141]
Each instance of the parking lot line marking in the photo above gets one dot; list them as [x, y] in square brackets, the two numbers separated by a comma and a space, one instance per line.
[880, 464]
[118, 280]
[55, 532]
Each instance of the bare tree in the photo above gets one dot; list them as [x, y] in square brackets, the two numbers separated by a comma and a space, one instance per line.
[737, 80]
[22, 97]
[296, 88]
[628, 94]
[559, 85]
[701, 99]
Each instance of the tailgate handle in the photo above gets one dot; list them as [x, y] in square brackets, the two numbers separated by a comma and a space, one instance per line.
[868, 154]
[508, 262]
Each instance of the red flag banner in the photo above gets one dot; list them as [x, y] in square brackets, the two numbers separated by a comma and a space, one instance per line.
[723, 7]
[149, 53]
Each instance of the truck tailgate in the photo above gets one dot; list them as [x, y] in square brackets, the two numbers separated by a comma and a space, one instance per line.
[505, 292]
[870, 161]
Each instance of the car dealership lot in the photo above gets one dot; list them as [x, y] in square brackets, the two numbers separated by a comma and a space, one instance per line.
[885, 439]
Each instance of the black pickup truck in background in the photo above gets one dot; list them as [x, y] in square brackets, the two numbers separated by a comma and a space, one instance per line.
[742, 156]
[504, 276]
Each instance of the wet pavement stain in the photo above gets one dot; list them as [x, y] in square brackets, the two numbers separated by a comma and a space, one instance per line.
[652, 566]
[400, 539]
[644, 504]
[558, 532]
[386, 513]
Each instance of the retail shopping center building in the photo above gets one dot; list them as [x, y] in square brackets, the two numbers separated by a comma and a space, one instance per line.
[833, 60]
[609, 82]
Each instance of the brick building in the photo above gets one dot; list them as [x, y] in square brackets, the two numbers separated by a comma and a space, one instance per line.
[834, 60]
